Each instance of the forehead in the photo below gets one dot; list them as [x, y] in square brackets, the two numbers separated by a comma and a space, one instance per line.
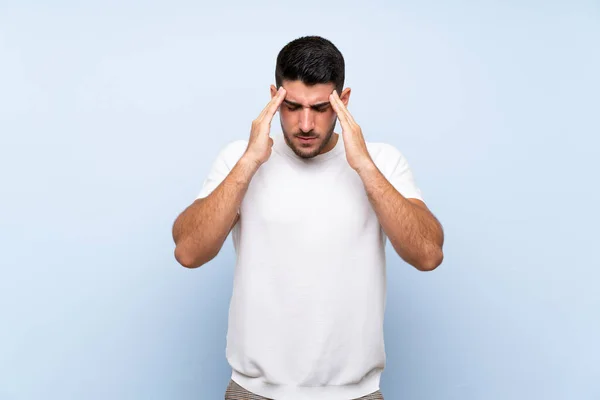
[299, 92]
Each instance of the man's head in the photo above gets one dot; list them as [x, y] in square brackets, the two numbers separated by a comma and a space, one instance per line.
[309, 68]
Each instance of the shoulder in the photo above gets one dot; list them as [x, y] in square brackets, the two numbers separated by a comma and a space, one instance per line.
[394, 166]
[233, 151]
[234, 147]
[385, 154]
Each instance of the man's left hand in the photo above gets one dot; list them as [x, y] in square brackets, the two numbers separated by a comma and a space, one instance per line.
[356, 148]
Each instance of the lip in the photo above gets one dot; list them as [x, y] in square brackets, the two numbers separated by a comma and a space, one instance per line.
[305, 139]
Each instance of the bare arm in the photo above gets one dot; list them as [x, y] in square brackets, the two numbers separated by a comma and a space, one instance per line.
[413, 231]
[201, 229]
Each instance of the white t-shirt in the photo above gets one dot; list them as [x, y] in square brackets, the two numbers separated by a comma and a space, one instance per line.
[309, 290]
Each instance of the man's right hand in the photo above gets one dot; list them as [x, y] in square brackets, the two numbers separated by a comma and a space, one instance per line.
[260, 143]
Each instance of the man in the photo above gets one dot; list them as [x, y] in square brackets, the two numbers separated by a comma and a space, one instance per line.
[310, 211]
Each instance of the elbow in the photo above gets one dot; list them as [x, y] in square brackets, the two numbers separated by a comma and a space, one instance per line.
[188, 259]
[432, 261]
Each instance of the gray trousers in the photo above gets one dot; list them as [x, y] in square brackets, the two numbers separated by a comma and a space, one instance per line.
[236, 392]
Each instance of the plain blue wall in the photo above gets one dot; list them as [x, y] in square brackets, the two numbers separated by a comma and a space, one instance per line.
[111, 114]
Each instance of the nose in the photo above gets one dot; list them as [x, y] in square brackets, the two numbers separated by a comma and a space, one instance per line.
[307, 122]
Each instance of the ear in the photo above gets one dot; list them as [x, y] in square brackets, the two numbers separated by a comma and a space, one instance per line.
[345, 96]
[273, 91]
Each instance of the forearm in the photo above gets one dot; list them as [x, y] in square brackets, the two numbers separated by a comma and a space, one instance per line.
[200, 231]
[413, 231]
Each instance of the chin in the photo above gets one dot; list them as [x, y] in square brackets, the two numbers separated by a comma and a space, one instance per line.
[309, 151]
[306, 152]
[308, 155]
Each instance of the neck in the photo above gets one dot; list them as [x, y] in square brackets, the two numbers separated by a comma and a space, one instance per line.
[332, 142]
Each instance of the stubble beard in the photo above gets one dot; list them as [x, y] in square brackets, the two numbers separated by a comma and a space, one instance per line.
[300, 152]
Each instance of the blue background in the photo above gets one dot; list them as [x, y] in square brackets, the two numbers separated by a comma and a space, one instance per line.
[111, 114]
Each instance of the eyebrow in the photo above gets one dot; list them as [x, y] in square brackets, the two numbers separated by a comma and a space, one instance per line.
[318, 105]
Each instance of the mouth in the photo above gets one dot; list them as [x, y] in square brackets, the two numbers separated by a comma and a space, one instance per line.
[305, 139]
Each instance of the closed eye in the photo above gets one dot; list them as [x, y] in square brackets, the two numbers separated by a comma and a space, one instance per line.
[317, 109]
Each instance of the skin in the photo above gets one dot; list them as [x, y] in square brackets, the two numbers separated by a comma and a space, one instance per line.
[308, 111]
[201, 229]
[415, 233]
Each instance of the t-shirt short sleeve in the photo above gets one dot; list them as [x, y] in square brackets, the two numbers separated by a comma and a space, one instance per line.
[394, 166]
[222, 165]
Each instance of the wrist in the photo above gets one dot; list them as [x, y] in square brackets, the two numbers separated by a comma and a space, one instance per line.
[249, 163]
[366, 168]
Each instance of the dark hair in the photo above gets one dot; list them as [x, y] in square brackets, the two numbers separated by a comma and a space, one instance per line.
[312, 60]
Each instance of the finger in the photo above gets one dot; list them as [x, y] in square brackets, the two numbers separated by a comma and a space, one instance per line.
[266, 109]
[278, 100]
[339, 106]
[275, 102]
[339, 110]
[343, 107]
